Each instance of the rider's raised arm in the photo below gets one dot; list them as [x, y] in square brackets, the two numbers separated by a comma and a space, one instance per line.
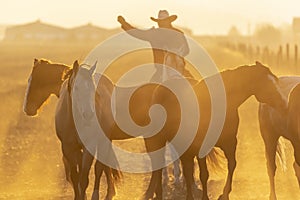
[133, 31]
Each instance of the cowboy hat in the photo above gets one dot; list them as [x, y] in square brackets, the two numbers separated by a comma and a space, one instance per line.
[163, 15]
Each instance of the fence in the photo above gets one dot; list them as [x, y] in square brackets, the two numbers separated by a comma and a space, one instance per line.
[284, 57]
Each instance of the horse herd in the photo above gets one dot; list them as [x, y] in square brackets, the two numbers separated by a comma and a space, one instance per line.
[278, 117]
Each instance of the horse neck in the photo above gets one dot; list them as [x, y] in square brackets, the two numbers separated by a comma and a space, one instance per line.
[238, 86]
[64, 122]
[60, 77]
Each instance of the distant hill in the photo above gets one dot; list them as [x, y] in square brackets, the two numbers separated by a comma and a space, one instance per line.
[40, 31]
[2, 30]
[44, 33]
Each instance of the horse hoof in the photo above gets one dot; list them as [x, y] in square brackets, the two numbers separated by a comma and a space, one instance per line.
[165, 183]
[178, 182]
[110, 196]
[95, 196]
[204, 197]
[189, 198]
[223, 197]
[200, 195]
[147, 197]
[273, 197]
[84, 197]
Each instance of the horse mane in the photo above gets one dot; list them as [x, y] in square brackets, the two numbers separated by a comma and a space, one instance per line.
[67, 73]
[246, 68]
[67, 70]
[240, 69]
[46, 61]
[228, 73]
[239, 74]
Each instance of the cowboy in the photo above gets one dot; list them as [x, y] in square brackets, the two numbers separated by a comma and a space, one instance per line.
[162, 38]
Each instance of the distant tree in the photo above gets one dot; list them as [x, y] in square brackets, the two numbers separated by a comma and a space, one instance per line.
[267, 35]
[234, 32]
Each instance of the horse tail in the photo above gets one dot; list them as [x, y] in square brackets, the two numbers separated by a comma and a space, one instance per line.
[215, 159]
[116, 174]
[280, 152]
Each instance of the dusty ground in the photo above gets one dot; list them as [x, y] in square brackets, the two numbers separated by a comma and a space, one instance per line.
[30, 156]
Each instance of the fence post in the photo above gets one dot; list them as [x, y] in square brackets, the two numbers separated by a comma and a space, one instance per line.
[296, 57]
[279, 57]
[250, 53]
[258, 55]
[287, 54]
[266, 55]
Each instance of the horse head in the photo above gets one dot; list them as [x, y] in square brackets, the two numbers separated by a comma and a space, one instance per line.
[45, 79]
[266, 88]
[82, 89]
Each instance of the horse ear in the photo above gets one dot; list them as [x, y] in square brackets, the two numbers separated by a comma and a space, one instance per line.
[75, 66]
[258, 63]
[92, 69]
[35, 61]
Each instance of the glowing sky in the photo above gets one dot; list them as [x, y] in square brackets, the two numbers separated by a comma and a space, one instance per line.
[202, 16]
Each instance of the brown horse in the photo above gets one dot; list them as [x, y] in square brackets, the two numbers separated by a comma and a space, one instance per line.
[240, 84]
[274, 125]
[46, 78]
[49, 78]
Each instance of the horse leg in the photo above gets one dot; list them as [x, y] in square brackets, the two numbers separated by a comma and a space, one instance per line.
[203, 176]
[67, 170]
[176, 165]
[165, 175]
[111, 191]
[270, 148]
[177, 172]
[158, 190]
[296, 165]
[155, 185]
[297, 171]
[74, 158]
[229, 151]
[188, 173]
[156, 176]
[99, 167]
[87, 162]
